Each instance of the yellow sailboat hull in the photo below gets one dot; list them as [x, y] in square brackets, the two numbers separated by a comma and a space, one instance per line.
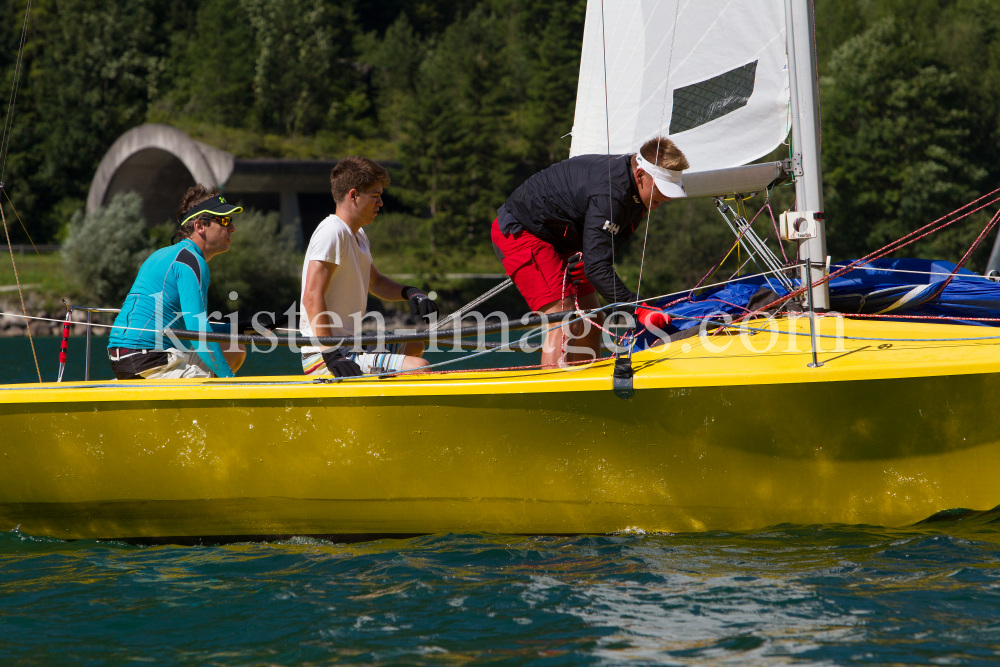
[737, 438]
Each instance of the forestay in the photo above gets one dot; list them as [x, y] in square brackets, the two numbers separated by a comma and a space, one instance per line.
[710, 74]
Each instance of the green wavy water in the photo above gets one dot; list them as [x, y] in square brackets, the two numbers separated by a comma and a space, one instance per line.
[929, 594]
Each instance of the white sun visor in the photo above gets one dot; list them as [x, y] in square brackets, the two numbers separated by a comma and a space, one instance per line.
[668, 181]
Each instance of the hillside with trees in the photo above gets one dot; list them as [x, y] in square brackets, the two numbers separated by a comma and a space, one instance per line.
[472, 97]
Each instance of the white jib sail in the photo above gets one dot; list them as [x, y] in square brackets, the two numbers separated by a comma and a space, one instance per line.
[715, 80]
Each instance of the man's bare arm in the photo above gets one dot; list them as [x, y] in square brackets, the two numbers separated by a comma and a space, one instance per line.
[384, 287]
[318, 276]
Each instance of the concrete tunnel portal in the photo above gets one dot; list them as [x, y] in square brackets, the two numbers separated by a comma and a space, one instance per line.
[160, 162]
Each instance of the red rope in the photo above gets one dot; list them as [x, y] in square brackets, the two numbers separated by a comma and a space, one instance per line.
[777, 234]
[972, 249]
[732, 305]
[508, 368]
[877, 254]
[955, 318]
[885, 250]
[576, 306]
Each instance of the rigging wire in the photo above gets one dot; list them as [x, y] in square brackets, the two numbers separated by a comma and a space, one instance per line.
[607, 127]
[747, 238]
[8, 126]
[656, 160]
[131, 328]
[659, 137]
[751, 314]
[31, 341]
[461, 312]
[530, 336]
[741, 266]
[941, 223]
[717, 265]
[891, 247]
[30, 240]
[8, 129]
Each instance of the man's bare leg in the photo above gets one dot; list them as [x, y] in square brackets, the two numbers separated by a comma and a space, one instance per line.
[414, 363]
[552, 347]
[413, 349]
[235, 358]
[587, 335]
[591, 340]
[414, 352]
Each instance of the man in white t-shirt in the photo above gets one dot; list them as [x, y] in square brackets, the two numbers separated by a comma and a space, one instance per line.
[338, 274]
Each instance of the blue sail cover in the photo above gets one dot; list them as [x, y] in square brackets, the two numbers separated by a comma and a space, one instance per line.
[880, 286]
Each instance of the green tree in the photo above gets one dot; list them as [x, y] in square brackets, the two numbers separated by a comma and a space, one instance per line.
[548, 47]
[261, 266]
[93, 68]
[304, 78]
[455, 150]
[105, 249]
[898, 146]
[395, 61]
[215, 66]
[428, 17]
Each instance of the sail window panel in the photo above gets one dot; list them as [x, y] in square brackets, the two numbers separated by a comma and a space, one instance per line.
[713, 98]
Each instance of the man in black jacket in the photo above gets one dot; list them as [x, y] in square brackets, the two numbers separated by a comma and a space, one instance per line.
[559, 233]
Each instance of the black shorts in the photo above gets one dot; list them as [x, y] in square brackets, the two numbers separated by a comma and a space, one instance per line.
[127, 363]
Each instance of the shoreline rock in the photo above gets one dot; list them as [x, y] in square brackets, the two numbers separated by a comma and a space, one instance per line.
[11, 324]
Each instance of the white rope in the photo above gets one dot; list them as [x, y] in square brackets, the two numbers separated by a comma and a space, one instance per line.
[87, 324]
[656, 159]
[958, 276]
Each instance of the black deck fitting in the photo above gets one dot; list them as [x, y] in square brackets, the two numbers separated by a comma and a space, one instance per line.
[622, 380]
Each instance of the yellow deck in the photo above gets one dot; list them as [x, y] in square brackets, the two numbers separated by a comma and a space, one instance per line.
[885, 433]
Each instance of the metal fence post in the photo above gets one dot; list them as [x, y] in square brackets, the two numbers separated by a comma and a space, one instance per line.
[86, 366]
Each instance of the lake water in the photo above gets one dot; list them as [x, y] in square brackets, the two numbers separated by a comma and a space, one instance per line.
[17, 364]
[787, 595]
[818, 595]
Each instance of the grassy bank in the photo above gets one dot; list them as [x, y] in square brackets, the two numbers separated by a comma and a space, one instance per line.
[42, 272]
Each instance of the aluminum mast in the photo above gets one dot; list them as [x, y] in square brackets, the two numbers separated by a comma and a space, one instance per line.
[803, 77]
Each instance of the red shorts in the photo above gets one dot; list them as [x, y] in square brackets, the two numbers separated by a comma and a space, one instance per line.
[536, 267]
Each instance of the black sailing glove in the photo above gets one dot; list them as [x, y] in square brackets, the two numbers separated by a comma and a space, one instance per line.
[339, 365]
[421, 305]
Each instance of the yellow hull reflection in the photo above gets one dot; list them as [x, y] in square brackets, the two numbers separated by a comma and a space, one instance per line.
[740, 438]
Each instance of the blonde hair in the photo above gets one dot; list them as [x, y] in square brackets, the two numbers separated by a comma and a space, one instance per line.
[664, 153]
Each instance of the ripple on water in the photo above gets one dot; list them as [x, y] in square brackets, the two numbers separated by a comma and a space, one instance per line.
[789, 594]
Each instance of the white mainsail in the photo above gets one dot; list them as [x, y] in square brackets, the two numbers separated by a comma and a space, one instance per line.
[710, 74]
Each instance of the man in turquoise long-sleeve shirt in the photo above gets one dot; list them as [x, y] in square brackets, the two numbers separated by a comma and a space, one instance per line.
[172, 288]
